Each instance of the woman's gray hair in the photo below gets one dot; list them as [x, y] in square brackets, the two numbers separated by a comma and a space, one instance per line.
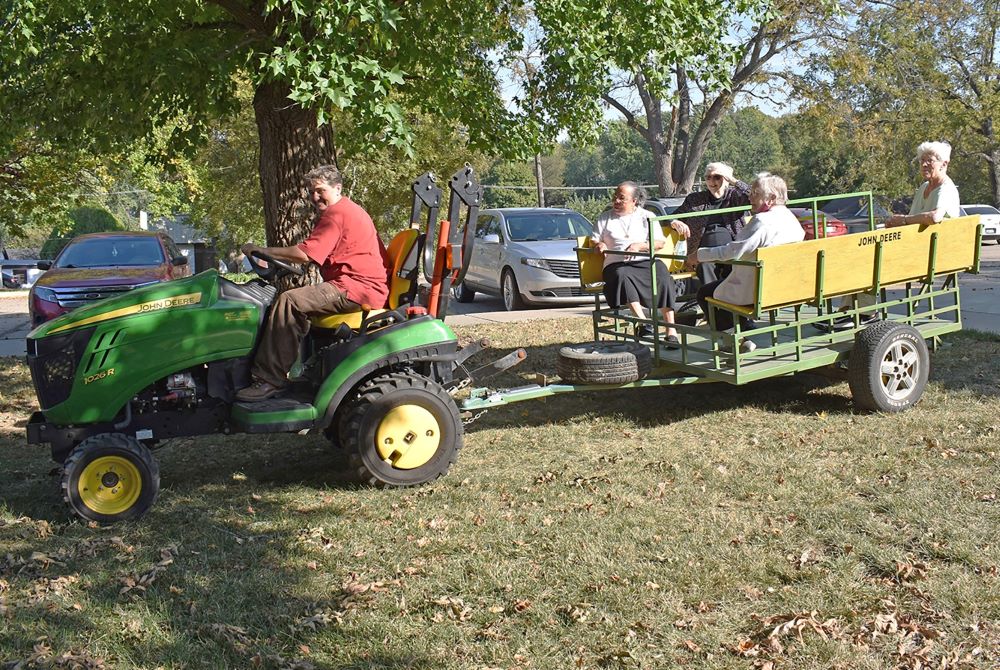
[637, 191]
[325, 173]
[719, 168]
[771, 188]
[940, 149]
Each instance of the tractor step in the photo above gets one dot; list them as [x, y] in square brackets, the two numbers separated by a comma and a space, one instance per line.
[275, 415]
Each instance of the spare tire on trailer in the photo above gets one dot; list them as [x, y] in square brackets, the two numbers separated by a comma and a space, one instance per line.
[604, 362]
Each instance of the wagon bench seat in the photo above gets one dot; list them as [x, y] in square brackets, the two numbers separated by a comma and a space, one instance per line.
[809, 272]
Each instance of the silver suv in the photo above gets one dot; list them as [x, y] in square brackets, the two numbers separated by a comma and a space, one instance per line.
[526, 256]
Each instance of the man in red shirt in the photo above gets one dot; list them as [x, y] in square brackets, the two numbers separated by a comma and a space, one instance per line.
[355, 271]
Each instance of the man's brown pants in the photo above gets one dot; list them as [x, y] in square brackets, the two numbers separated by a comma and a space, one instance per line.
[288, 323]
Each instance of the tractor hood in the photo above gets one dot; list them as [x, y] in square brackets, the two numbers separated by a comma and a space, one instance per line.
[162, 296]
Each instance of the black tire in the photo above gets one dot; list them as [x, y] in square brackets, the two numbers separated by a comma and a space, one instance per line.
[463, 293]
[888, 368]
[511, 294]
[604, 362]
[402, 408]
[688, 313]
[110, 477]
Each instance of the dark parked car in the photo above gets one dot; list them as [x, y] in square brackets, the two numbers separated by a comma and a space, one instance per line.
[853, 213]
[100, 265]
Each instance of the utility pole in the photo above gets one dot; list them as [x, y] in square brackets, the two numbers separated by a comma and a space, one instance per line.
[538, 180]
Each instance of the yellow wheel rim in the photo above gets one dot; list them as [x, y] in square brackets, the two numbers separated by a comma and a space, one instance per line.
[407, 437]
[110, 485]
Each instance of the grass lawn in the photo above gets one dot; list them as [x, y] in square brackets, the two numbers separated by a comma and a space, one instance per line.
[765, 526]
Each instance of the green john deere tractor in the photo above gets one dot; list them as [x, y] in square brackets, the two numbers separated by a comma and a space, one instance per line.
[116, 378]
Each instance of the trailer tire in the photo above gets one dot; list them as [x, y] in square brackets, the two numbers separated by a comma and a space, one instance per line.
[403, 430]
[604, 362]
[888, 368]
[110, 477]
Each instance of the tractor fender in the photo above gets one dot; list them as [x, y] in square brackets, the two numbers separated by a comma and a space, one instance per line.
[415, 340]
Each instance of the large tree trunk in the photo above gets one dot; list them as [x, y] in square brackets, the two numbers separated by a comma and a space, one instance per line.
[291, 144]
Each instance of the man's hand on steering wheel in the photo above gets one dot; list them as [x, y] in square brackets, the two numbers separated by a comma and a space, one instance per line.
[272, 268]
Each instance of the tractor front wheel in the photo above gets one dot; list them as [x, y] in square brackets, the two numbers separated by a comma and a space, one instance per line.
[403, 430]
[110, 477]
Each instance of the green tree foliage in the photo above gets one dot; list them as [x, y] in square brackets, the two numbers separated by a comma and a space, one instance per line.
[82, 220]
[510, 184]
[99, 75]
[903, 73]
[653, 62]
[747, 139]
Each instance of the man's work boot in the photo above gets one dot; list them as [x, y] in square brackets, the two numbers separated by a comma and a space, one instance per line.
[259, 390]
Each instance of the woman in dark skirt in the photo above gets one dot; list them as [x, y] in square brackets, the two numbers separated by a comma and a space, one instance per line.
[628, 280]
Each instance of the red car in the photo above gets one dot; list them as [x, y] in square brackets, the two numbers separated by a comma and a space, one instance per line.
[100, 265]
[830, 226]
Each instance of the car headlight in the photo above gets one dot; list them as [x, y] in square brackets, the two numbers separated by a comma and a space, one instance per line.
[46, 294]
[539, 263]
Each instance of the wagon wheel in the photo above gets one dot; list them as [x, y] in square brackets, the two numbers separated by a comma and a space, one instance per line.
[888, 367]
[110, 477]
[403, 430]
[604, 362]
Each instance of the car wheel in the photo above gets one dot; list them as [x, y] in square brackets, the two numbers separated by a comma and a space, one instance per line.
[512, 299]
[463, 293]
[888, 367]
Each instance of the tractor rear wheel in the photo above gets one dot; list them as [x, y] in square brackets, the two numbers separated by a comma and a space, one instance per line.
[404, 430]
[110, 477]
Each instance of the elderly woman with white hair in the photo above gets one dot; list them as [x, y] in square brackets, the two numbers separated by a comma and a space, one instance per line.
[772, 224]
[937, 198]
[722, 191]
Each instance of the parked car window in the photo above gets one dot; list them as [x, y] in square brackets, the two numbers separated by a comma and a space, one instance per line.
[172, 249]
[547, 226]
[487, 225]
[103, 252]
[981, 209]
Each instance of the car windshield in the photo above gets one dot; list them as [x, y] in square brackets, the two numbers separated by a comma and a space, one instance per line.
[981, 209]
[111, 251]
[535, 226]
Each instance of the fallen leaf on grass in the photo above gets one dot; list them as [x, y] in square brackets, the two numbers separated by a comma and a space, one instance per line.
[138, 583]
[455, 609]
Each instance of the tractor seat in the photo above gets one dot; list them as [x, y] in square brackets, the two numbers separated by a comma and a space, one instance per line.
[401, 283]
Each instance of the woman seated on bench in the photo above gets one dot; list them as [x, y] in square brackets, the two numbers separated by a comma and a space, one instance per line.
[772, 224]
[627, 280]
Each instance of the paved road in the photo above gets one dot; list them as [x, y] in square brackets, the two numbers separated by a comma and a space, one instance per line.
[980, 307]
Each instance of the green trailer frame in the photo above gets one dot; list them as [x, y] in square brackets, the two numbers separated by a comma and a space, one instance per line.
[798, 336]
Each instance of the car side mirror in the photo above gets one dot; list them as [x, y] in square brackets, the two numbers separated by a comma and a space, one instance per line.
[44, 265]
[179, 260]
[492, 238]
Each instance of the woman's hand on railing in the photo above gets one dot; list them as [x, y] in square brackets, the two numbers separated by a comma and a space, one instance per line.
[682, 228]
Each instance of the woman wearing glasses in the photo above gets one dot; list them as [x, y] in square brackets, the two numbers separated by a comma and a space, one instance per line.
[723, 191]
[937, 198]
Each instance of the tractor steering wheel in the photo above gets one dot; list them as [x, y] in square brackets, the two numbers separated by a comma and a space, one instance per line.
[276, 269]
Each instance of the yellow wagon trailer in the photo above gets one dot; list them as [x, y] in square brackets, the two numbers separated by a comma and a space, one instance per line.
[807, 314]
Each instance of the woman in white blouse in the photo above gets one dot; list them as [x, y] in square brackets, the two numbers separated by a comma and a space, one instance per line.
[937, 198]
[627, 279]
